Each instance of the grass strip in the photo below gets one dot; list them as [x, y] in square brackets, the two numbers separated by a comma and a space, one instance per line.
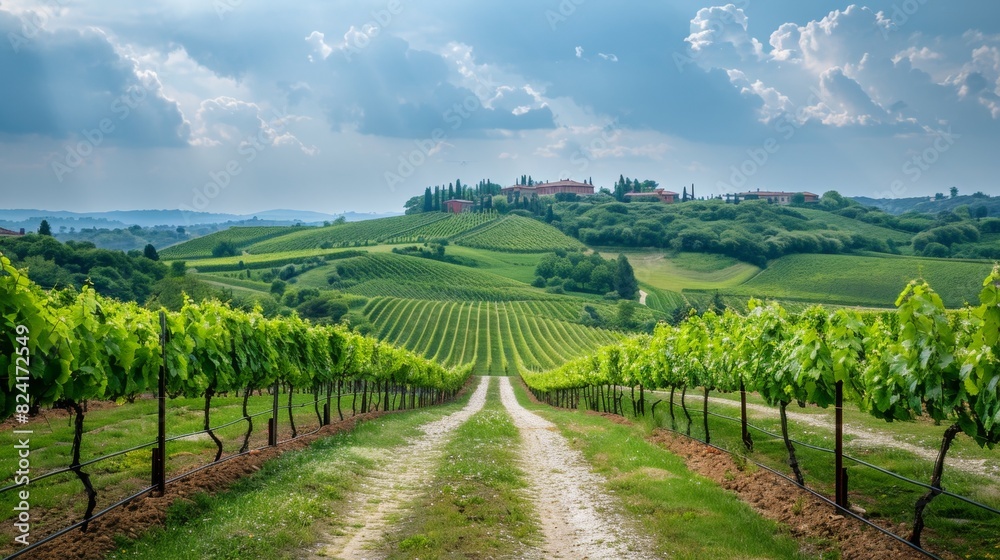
[476, 507]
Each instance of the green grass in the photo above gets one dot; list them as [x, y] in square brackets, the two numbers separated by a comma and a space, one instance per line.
[952, 525]
[110, 428]
[687, 270]
[240, 236]
[864, 280]
[289, 504]
[518, 234]
[477, 501]
[688, 516]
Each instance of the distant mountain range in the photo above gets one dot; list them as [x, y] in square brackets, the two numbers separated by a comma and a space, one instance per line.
[30, 218]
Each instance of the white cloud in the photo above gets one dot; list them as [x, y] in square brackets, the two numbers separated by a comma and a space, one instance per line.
[608, 57]
[226, 120]
[316, 41]
[720, 29]
[579, 52]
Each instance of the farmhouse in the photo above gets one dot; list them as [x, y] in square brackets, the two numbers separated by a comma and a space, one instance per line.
[662, 195]
[10, 233]
[543, 189]
[457, 206]
[777, 197]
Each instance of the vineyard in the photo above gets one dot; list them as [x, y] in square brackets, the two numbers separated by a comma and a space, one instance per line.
[497, 338]
[239, 236]
[863, 280]
[920, 362]
[518, 235]
[409, 277]
[456, 224]
[367, 232]
[67, 349]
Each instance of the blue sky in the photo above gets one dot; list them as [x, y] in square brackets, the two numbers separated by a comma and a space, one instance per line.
[245, 105]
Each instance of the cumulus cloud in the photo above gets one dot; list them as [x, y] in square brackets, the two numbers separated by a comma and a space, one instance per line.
[392, 89]
[70, 81]
[229, 121]
[847, 69]
[320, 48]
[723, 29]
[579, 52]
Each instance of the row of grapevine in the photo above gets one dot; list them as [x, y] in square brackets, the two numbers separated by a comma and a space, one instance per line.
[351, 233]
[920, 360]
[456, 224]
[495, 337]
[65, 348]
[518, 234]
[412, 277]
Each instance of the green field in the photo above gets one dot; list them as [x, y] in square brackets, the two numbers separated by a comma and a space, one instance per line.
[841, 223]
[687, 270]
[518, 234]
[500, 337]
[864, 280]
[241, 237]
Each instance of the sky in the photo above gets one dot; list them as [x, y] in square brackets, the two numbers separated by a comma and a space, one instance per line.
[333, 106]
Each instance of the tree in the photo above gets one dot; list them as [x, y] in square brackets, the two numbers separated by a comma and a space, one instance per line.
[44, 228]
[178, 268]
[225, 249]
[150, 252]
[625, 282]
[938, 196]
[981, 212]
[549, 216]
[798, 198]
[428, 200]
[953, 191]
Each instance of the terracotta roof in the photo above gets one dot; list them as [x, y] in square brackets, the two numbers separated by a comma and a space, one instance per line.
[5, 231]
[458, 200]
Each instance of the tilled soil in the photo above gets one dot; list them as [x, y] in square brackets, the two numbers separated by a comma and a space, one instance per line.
[814, 523]
[567, 494]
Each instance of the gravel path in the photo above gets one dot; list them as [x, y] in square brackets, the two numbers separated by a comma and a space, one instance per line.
[642, 297]
[402, 478]
[567, 495]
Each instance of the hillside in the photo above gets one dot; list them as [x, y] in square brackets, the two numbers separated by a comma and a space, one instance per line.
[864, 280]
[238, 237]
[930, 205]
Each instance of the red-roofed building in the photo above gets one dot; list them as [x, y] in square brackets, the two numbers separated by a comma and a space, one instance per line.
[543, 189]
[10, 233]
[665, 196]
[777, 197]
[457, 206]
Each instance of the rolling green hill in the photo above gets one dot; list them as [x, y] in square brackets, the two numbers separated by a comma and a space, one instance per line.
[241, 237]
[517, 234]
[352, 233]
[830, 221]
[864, 280]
